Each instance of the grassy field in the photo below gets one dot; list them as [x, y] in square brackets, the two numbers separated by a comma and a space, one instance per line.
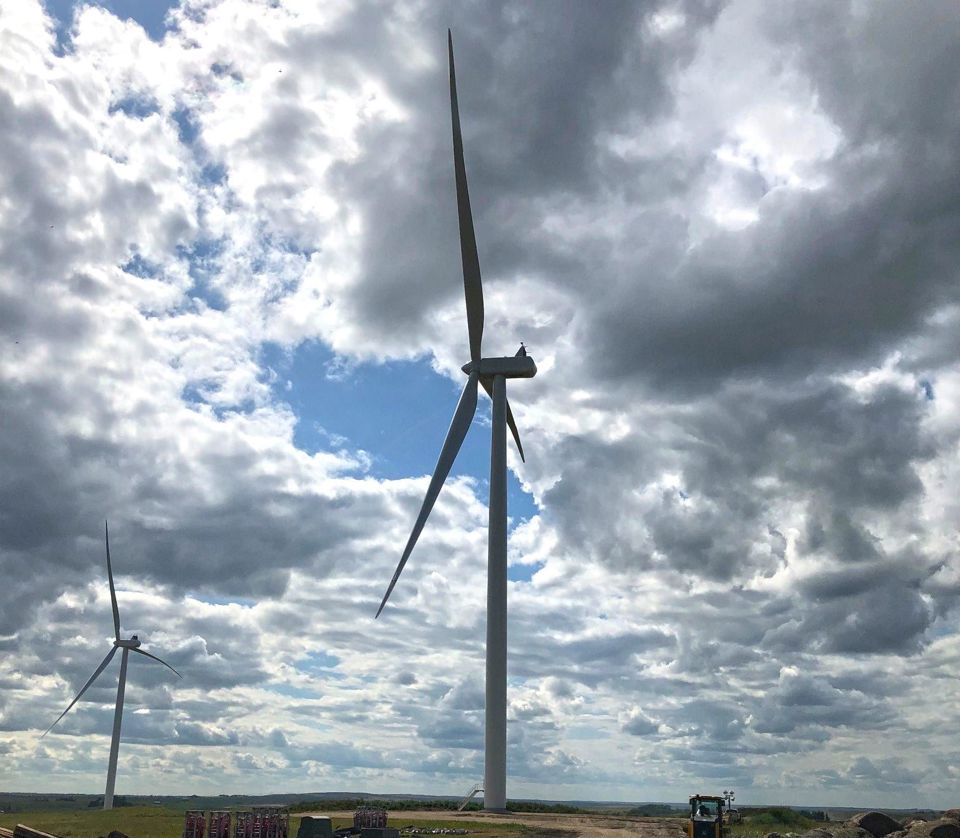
[161, 822]
[136, 821]
[773, 820]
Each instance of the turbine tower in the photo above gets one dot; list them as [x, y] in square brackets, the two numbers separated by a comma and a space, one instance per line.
[131, 645]
[492, 375]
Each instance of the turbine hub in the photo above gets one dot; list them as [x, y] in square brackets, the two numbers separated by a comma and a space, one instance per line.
[517, 366]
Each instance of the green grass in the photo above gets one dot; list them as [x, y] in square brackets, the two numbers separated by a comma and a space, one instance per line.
[163, 822]
[136, 821]
[756, 825]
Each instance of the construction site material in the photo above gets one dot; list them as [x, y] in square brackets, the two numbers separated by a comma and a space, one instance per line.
[243, 826]
[23, 831]
[219, 824]
[315, 826]
[369, 818]
[270, 821]
[194, 823]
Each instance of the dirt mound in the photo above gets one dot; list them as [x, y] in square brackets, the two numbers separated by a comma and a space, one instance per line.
[943, 828]
[876, 823]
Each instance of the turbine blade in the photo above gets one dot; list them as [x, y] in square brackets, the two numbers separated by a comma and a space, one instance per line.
[113, 591]
[99, 669]
[459, 425]
[511, 422]
[167, 665]
[472, 287]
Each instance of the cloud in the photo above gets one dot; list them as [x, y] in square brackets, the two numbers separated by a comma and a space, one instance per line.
[637, 723]
[725, 235]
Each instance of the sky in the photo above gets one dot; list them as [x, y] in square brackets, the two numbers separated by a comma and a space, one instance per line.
[232, 322]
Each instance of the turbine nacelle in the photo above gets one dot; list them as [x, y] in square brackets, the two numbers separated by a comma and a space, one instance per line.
[132, 643]
[517, 366]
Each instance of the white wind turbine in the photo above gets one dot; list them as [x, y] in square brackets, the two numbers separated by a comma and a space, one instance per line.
[492, 374]
[131, 645]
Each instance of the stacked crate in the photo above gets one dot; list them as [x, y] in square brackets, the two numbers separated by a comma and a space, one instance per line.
[270, 822]
[194, 823]
[243, 828]
[219, 824]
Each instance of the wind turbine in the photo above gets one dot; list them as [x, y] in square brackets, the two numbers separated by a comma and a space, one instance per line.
[492, 375]
[131, 645]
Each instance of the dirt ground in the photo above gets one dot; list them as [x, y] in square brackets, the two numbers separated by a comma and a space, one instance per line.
[548, 825]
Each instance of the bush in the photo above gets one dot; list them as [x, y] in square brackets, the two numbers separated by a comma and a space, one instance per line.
[401, 805]
[655, 810]
[554, 808]
[776, 816]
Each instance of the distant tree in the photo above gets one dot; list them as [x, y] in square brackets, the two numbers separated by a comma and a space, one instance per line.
[653, 810]
[775, 816]
[553, 808]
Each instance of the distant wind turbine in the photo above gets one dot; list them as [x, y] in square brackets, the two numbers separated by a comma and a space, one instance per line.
[492, 375]
[131, 645]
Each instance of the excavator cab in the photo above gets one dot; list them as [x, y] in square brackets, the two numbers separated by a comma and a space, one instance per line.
[706, 816]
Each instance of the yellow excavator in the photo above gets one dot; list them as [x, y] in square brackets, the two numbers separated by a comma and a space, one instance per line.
[706, 816]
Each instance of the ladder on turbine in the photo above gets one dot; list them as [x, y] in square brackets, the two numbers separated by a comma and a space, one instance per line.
[477, 789]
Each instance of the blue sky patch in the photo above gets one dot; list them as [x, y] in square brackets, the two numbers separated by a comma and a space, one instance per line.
[138, 107]
[397, 412]
[317, 660]
[202, 258]
[138, 266]
[150, 14]
[187, 126]
[523, 572]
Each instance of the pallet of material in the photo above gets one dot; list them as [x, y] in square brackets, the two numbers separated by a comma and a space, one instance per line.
[24, 831]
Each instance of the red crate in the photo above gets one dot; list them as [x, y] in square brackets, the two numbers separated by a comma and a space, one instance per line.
[194, 823]
[219, 824]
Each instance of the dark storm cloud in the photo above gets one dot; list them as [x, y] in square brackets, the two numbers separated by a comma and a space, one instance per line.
[888, 618]
[823, 279]
[856, 452]
[830, 277]
[803, 700]
[717, 721]
[456, 721]
[810, 287]
[190, 733]
[536, 93]
[589, 659]
[457, 731]
[868, 71]
[823, 445]
[639, 724]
